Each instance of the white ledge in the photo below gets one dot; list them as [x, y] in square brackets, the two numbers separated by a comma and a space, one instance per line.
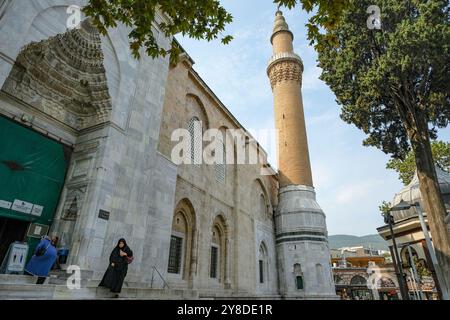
[282, 56]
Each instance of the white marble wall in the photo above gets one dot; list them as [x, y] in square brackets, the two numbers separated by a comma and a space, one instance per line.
[301, 238]
[115, 165]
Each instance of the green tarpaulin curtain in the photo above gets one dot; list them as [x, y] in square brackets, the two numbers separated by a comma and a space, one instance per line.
[32, 169]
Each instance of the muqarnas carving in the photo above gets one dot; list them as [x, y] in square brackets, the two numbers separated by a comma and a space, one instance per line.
[64, 77]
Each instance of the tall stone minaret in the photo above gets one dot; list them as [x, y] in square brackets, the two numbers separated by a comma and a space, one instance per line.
[301, 233]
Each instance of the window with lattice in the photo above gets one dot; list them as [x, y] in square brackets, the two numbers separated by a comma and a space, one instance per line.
[299, 282]
[214, 262]
[262, 263]
[220, 168]
[261, 271]
[195, 133]
[175, 255]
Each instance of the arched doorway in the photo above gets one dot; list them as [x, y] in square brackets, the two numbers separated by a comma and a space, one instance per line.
[358, 281]
[358, 288]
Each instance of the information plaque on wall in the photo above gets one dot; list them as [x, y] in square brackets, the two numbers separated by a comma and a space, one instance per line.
[37, 230]
[102, 214]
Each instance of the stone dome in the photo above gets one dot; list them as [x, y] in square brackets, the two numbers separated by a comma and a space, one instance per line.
[411, 194]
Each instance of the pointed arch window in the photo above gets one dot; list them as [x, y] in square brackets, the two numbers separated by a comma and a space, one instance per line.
[175, 254]
[177, 244]
[263, 266]
[220, 168]
[196, 140]
[181, 241]
[218, 251]
[298, 273]
[216, 247]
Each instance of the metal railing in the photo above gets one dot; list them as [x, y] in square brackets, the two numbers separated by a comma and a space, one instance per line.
[162, 278]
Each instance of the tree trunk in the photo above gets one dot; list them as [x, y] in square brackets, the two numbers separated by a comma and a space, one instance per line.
[432, 200]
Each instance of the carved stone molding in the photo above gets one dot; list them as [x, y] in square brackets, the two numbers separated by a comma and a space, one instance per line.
[64, 77]
[73, 202]
[285, 70]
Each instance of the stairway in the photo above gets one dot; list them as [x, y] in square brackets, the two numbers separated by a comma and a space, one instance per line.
[232, 295]
[19, 287]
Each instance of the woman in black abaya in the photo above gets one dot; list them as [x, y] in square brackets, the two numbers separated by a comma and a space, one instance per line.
[118, 267]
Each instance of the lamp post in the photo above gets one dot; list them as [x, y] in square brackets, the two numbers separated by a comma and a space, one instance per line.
[389, 220]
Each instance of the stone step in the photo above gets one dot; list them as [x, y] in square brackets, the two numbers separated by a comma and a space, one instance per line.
[218, 296]
[59, 277]
[62, 274]
[19, 279]
[207, 293]
[126, 284]
[26, 292]
[228, 294]
[58, 292]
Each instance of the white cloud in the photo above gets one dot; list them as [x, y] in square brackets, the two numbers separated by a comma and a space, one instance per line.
[325, 118]
[311, 79]
[358, 191]
[322, 174]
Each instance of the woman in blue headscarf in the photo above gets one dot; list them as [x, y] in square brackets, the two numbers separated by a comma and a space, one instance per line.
[43, 259]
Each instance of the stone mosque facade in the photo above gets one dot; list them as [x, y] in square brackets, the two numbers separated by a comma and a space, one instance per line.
[106, 119]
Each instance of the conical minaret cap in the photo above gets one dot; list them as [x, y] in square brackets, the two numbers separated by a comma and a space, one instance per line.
[280, 25]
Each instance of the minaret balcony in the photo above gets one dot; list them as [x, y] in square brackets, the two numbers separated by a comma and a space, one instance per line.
[284, 56]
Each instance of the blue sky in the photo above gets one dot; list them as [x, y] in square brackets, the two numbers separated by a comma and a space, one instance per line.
[350, 179]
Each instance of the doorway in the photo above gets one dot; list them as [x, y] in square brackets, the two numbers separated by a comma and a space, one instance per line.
[11, 230]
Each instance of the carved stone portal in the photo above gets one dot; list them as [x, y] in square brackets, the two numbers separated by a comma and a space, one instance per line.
[64, 77]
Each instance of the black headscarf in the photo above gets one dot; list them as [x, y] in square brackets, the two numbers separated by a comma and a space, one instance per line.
[122, 240]
[117, 270]
[125, 248]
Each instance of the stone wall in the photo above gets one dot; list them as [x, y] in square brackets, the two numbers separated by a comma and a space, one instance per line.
[236, 199]
[115, 165]
[121, 163]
